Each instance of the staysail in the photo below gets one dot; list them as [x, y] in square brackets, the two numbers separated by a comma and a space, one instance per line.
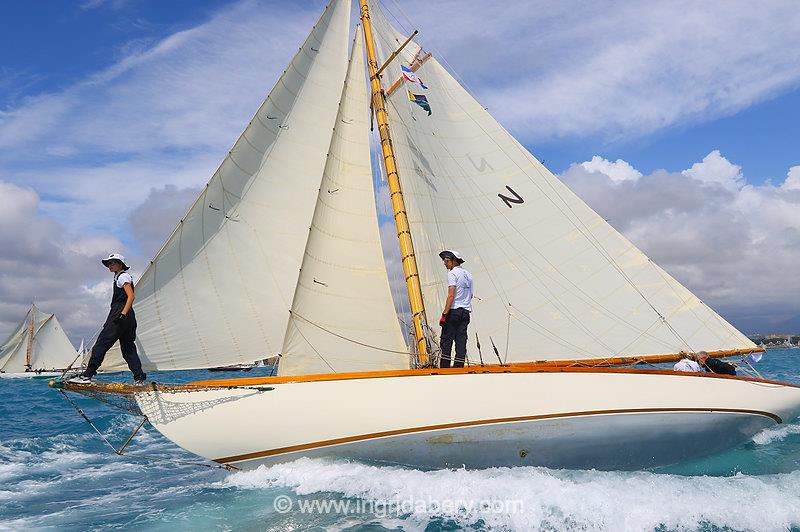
[553, 280]
[220, 290]
[343, 318]
[49, 347]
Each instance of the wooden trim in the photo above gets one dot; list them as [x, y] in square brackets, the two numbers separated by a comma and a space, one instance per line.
[411, 430]
[589, 365]
[128, 389]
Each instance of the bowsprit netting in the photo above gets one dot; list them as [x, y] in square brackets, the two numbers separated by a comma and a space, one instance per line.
[161, 403]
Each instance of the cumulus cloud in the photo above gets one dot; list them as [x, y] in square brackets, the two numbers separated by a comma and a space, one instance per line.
[714, 168]
[792, 179]
[733, 244]
[153, 220]
[41, 262]
[618, 170]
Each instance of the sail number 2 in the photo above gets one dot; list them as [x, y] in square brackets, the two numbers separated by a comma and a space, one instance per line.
[508, 200]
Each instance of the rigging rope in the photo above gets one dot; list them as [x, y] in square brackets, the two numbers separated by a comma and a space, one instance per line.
[146, 457]
[293, 313]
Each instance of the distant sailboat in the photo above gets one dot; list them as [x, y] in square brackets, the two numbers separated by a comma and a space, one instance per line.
[234, 367]
[562, 294]
[37, 348]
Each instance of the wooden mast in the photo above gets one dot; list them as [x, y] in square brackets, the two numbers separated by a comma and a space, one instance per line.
[400, 218]
[29, 351]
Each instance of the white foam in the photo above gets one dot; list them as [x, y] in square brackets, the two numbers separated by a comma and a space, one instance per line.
[12, 470]
[774, 434]
[551, 499]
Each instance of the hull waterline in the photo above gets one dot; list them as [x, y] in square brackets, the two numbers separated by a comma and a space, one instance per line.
[602, 420]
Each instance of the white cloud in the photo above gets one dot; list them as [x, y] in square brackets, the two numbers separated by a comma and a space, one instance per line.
[383, 200]
[621, 69]
[715, 168]
[792, 179]
[394, 268]
[618, 170]
[736, 247]
[40, 262]
[163, 114]
[155, 219]
[193, 90]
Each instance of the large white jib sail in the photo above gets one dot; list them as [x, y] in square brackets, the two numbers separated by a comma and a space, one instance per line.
[343, 318]
[220, 290]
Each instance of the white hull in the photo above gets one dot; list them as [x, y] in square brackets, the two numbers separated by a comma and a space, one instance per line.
[603, 420]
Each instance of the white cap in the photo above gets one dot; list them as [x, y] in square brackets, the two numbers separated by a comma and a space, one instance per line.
[451, 252]
[115, 256]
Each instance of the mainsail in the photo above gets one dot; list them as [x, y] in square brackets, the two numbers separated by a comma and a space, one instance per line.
[343, 318]
[48, 348]
[553, 280]
[220, 290]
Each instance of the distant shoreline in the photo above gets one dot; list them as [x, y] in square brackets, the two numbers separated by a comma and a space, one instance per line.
[773, 341]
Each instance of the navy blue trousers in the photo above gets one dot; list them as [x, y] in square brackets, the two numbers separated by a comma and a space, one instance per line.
[455, 330]
[125, 332]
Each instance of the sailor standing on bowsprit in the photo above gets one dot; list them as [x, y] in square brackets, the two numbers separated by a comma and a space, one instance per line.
[455, 316]
[120, 324]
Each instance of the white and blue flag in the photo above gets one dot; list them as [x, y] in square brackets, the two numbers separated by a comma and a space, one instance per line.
[411, 76]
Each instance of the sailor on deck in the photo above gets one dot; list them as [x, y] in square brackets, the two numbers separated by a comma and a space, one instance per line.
[120, 324]
[457, 308]
[714, 365]
[686, 363]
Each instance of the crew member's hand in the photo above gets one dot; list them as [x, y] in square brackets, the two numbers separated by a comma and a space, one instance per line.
[442, 320]
[119, 318]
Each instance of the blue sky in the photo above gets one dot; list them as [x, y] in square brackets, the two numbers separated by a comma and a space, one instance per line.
[763, 139]
[65, 43]
[607, 94]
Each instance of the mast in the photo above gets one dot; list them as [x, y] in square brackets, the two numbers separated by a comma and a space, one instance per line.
[400, 218]
[29, 351]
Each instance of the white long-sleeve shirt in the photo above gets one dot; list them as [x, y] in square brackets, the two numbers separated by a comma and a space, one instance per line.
[687, 365]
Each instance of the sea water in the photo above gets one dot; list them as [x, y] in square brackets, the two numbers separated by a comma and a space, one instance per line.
[56, 472]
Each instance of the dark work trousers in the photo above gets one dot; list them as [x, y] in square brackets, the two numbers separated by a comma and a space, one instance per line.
[125, 332]
[455, 328]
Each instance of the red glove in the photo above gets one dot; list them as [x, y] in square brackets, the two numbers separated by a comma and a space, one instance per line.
[442, 320]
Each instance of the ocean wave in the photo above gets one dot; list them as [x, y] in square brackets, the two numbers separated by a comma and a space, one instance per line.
[545, 498]
[774, 434]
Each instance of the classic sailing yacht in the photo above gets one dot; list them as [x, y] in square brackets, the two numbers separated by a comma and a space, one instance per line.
[281, 254]
[37, 348]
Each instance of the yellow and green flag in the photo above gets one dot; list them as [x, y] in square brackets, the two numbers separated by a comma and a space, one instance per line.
[420, 100]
